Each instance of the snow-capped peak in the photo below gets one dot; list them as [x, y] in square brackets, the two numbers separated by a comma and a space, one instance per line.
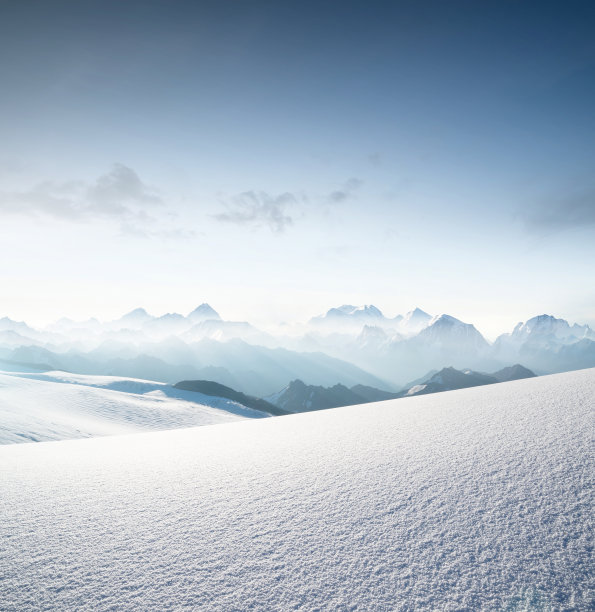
[446, 330]
[365, 311]
[547, 325]
[414, 321]
[444, 321]
[204, 312]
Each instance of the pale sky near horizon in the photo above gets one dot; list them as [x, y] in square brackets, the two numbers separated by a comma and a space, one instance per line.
[276, 159]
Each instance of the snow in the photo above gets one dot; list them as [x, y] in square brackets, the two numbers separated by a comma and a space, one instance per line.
[466, 500]
[58, 405]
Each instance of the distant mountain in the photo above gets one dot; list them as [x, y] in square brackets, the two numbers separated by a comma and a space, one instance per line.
[300, 397]
[444, 340]
[215, 329]
[546, 328]
[446, 332]
[203, 313]
[354, 312]
[256, 370]
[211, 388]
[373, 337]
[168, 324]
[548, 345]
[449, 379]
[515, 372]
[348, 318]
[20, 328]
[371, 394]
[414, 321]
[134, 319]
[353, 345]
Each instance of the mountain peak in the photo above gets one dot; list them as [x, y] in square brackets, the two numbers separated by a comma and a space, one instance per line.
[415, 320]
[204, 312]
[367, 310]
[446, 330]
[136, 314]
[444, 320]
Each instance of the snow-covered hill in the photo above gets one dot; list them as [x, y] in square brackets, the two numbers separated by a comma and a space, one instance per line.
[57, 406]
[466, 500]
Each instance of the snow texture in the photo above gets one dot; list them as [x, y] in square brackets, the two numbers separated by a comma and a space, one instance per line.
[466, 500]
[56, 406]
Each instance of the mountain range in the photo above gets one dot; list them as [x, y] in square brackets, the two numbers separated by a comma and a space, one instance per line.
[348, 345]
[300, 397]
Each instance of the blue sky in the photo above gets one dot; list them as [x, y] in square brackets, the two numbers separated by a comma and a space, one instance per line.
[279, 158]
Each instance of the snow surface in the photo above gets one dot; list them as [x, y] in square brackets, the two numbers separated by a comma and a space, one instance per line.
[466, 500]
[58, 405]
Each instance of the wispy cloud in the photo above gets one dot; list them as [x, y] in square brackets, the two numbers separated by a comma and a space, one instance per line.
[119, 194]
[258, 209]
[575, 210]
[347, 191]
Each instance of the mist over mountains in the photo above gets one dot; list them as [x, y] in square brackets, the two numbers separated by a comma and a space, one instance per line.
[348, 345]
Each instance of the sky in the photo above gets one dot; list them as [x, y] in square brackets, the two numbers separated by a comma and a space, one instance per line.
[276, 159]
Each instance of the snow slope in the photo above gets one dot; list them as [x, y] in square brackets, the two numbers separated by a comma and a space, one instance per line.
[56, 406]
[464, 500]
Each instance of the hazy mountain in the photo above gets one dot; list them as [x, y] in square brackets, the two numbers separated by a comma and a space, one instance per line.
[515, 372]
[414, 321]
[449, 379]
[211, 388]
[548, 344]
[216, 329]
[203, 313]
[444, 340]
[447, 333]
[371, 394]
[545, 328]
[167, 324]
[134, 319]
[388, 351]
[256, 370]
[348, 319]
[299, 397]
[360, 313]
[20, 328]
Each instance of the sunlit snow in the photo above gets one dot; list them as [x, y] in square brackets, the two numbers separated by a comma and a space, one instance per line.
[57, 405]
[465, 500]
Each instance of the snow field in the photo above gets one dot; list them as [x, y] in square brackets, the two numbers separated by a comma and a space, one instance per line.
[57, 405]
[465, 500]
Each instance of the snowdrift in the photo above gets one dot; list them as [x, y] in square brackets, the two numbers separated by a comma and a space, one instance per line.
[464, 500]
[58, 405]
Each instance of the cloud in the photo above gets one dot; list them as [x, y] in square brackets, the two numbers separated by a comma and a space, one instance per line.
[557, 214]
[258, 208]
[113, 191]
[347, 191]
[118, 194]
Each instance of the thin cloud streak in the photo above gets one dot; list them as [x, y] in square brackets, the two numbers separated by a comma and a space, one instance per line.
[258, 209]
